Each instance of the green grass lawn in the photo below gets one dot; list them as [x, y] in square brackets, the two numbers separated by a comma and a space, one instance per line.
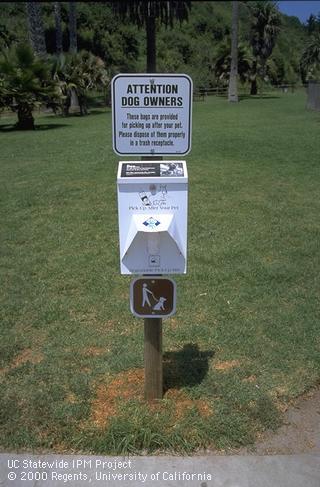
[245, 339]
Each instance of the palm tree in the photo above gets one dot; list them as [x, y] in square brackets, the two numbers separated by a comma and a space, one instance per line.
[26, 83]
[310, 61]
[75, 105]
[265, 25]
[76, 74]
[233, 79]
[6, 37]
[4, 96]
[36, 31]
[222, 64]
[145, 13]
[313, 24]
[57, 19]
[73, 47]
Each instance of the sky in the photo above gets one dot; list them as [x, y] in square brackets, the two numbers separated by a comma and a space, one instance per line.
[300, 8]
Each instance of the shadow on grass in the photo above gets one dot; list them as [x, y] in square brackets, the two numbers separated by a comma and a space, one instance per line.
[97, 103]
[99, 111]
[78, 116]
[258, 97]
[45, 126]
[186, 367]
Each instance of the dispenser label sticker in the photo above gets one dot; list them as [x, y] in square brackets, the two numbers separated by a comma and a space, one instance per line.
[171, 169]
[152, 169]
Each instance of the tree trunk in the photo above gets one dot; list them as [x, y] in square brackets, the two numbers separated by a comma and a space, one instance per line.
[74, 102]
[25, 118]
[66, 103]
[57, 18]
[36, 32]
[233, 80]
[83, 105]
[151, 43]
[254, 84]
[254, 87]
[73, 47]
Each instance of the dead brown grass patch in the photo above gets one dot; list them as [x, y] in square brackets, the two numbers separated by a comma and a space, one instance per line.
[251, 378]
[173, 323]
[123, 387]
[27, 355]
[279, 396]
[226, 365]
[71, 398]
[94, 351]
[183, 404]
[129, 385]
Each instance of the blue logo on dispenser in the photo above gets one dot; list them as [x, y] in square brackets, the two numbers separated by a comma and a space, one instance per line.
[151, 223]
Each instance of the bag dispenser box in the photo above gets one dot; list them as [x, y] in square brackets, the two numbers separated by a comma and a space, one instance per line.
[152, 210]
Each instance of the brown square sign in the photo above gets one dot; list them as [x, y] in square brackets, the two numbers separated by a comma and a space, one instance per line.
[152, 297]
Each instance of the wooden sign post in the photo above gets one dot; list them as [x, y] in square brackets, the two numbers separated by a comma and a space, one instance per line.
[153, 370]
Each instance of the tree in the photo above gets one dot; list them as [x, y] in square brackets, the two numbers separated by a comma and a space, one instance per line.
[4, 98]
[233, 79]
[75, 104]
[145, 13]
[222, 63]
[5, 37]
[313, 24]
[26, 83]
[310, 62]
[79, 73]
[36, 31]
[58, 29]
[73, 47]
[265, 25]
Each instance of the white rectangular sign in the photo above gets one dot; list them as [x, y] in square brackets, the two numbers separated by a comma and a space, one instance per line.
[152, 209]
[151, 114]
